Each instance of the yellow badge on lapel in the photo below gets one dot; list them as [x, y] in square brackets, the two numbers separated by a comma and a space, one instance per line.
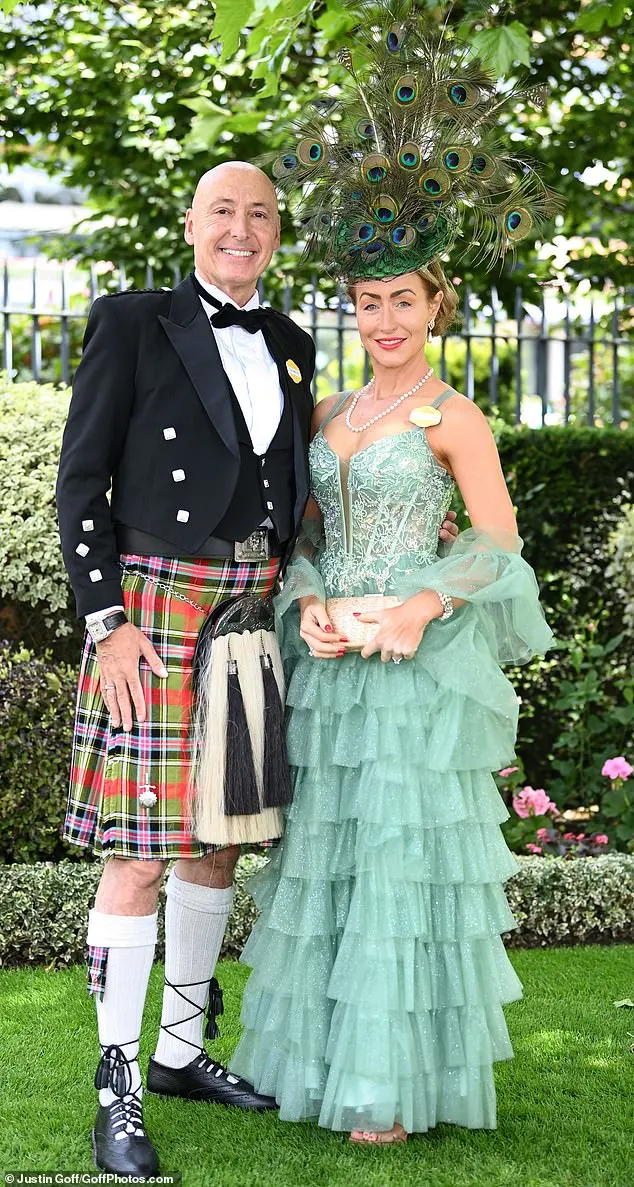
[293, 371]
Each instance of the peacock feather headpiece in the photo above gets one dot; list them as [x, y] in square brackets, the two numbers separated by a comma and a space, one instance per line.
[382, 177]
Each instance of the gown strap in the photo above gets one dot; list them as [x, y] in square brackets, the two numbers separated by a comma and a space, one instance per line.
[450, 391]
[337, 406]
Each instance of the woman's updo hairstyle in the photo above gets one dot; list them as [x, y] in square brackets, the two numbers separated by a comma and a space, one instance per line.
[435, 282]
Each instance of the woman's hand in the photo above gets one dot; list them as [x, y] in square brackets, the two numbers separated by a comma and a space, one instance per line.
[317, 630]
[402, 628]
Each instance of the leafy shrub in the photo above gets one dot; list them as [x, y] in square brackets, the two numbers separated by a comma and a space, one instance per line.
[621, 567]
[36, 727]
[44, 907]
[44, 912]
[569, 486]
[589, 901]
[35, 592]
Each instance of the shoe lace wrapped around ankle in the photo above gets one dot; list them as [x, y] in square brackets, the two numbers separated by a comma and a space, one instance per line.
[113, 1069]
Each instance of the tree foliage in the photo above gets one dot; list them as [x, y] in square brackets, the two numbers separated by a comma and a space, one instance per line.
[132, 101]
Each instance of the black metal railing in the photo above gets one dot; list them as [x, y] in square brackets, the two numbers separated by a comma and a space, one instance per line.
[566, 360]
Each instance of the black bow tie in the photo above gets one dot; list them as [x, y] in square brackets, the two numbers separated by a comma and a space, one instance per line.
[250, 320]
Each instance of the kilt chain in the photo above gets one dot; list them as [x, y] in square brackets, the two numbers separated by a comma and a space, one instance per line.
[167, 588]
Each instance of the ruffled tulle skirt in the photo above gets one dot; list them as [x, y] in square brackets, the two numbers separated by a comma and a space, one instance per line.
[379, 974]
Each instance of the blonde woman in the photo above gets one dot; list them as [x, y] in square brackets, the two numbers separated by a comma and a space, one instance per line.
[379, 975]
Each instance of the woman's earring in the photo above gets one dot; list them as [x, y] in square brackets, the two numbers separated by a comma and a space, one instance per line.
[430, 326]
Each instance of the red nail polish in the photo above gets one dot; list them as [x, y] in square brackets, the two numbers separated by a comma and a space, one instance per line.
[328, 628]
[344, 640]
[356, 614]
[340, 653]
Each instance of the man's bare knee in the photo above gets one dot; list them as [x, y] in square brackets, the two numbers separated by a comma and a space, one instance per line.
[129, 886]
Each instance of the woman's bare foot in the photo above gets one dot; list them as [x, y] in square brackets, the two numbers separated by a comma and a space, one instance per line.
[388, 1137]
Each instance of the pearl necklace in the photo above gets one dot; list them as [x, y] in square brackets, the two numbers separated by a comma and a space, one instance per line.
[386, 412]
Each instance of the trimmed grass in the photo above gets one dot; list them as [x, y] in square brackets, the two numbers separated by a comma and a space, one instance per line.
[566, 1103]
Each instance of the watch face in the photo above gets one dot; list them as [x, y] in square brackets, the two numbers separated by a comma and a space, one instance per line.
[98, 632]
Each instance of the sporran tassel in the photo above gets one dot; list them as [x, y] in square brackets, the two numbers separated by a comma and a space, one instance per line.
[215, 1008]
[241, 788]
[276, 776]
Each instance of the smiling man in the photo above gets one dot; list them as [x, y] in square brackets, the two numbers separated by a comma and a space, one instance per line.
[193, 407]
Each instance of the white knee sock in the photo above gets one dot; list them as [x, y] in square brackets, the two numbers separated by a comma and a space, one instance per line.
[130, 940]
[195, 922]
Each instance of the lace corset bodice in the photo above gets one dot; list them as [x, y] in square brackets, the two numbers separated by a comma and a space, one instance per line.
[382, 511]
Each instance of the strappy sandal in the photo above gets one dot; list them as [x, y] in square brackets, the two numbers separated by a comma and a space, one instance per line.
[392, 1137]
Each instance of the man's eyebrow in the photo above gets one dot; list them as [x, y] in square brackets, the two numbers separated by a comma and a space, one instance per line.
[232, 202]
[398, 293]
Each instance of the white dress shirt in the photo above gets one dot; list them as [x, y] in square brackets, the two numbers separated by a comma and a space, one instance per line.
[251, 371]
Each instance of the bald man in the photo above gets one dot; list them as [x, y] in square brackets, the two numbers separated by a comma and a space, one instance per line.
[192, 407]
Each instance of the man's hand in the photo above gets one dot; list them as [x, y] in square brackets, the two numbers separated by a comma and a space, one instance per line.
[449, 529]
[118, 658]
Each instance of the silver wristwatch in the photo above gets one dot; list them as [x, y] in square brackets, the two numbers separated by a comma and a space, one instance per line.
[447, 605]
[102, 628]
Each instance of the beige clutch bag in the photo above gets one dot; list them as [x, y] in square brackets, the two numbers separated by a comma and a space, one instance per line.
[341, 614]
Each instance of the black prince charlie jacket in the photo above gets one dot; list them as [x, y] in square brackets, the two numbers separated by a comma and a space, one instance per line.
[151, 418]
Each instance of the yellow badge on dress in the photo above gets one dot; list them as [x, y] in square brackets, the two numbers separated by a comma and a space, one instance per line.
[425, 416]
[293, 371]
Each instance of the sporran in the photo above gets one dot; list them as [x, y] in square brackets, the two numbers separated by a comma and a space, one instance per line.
[240, 778]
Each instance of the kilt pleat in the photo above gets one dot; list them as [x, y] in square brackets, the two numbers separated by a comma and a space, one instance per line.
[110, 769]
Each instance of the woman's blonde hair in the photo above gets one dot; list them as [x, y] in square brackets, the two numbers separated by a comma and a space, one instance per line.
[435, 282]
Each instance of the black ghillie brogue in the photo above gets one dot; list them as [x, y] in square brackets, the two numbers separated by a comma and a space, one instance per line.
[119, 1141]
[204, 1079]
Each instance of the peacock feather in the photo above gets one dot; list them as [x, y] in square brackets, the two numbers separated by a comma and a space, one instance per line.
[381, 178]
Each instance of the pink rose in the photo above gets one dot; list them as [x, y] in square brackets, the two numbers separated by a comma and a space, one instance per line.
[570, 836]
[533, 801]
[542, 833]
[600, 839]
[581, 836]
[534, 848]
[508, 771]
[617, 768]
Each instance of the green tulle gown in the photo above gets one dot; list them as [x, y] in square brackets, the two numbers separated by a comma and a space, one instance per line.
[379, 973]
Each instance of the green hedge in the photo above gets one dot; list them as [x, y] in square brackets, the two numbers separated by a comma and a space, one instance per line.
[44, 907]
[44, 912]
[36, 729]
[36, 606]
[573, 488]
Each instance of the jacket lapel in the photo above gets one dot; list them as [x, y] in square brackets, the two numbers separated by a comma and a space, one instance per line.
[295, 394]
[192, 337]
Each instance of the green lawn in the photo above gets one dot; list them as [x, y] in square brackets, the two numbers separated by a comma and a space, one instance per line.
[566, 1103]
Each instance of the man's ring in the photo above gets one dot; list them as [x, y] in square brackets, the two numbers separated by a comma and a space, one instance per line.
[396, 659]
[108, 687]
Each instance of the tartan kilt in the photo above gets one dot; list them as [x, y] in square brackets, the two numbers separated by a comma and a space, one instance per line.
[109, 767]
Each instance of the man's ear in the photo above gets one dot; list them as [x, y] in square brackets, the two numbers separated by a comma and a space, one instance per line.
[188, 232]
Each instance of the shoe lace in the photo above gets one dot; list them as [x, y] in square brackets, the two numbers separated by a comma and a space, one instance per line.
[127, 1117]
[113, 1070]
[214, 1008]
[207, 1064]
